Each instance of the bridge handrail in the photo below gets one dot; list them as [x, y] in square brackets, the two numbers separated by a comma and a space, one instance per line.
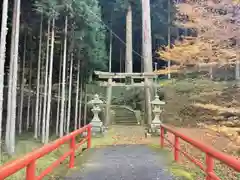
[210, 152]
[29, 160]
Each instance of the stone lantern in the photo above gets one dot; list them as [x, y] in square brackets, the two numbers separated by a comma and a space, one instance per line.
[97, 125]
[155, 125]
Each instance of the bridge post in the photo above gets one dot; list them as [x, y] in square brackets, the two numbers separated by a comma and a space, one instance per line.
[30, 172]
[162, 137]
[89, 136]
[176, 148]
[72, 155]
[210, 166]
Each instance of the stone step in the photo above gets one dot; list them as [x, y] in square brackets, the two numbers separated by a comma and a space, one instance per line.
[122, 116]
[126, 119]
[121, 110]
[124, 113]
[126, 123]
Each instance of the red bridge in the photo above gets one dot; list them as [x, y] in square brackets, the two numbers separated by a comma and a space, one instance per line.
[115, 161]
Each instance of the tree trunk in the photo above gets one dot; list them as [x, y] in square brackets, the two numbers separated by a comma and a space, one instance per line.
[110, 53]
[70, 93]
[38, 81]
[63, 79]
[80, 104]
[40, 115]
[90, 79]
[22, 86]
[147, 55]
[30, 91]
[11, 114]
[59, 92]
[169, 38]
[45, 86]
[50, 82]
[3, 36]
[77, 95]
[120, 59]
[66, 100]
[85, 104]
[32, 114]
[65, 116]
[128, 61]
[41, 100]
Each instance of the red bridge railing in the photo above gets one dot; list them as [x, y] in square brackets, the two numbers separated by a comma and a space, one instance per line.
[29, 161]
[211, 153]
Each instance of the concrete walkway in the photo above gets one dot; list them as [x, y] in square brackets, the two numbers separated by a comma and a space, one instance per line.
[123, 162]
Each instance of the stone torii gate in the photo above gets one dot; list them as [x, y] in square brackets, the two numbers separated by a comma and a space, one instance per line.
[129, 82]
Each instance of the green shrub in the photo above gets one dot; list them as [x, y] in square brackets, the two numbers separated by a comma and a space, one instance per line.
[181, 174]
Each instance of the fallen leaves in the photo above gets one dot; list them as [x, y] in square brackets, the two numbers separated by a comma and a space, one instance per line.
[230, 132]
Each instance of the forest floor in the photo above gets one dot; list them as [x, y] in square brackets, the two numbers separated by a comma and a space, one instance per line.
[207, 111]
[205, 104]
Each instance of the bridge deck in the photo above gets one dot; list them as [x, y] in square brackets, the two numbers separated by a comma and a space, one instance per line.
[123, 162]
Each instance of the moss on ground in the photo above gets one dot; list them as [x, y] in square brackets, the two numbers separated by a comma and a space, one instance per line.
[25, 145]
[105, 140]
[41, 163]
[185, 172]
[179, 171]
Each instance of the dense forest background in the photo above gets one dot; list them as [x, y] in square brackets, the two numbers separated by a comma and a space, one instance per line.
[52, 48]
[106, 16]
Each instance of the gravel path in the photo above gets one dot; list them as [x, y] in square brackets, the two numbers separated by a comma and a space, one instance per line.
[123, 162]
